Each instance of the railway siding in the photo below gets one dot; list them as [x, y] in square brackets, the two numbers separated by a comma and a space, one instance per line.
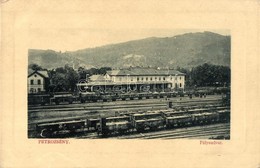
[73, 112]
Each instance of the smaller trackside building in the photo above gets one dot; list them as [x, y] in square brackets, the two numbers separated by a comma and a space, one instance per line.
[37, 81]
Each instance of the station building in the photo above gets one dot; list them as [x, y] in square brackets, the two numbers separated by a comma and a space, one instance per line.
[152, 79]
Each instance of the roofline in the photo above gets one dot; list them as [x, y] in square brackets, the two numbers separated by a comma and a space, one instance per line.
[37, 73]
[123, 83]
[181, 74]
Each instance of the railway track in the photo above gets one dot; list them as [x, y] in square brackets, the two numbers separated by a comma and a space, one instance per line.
[101, 107]
[33, 113]
[32, 123]
[206, 135]
[55, 116]
[203, 132]
[89, 105]
[176, 101]
[44, 114]
[187, 132]
[74, 114]
[119, 105]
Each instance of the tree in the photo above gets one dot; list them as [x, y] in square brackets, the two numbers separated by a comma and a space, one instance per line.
[82, 73]
[96, 71]
[103, 70]
[63, 79]
[35, 67]
[210, 75]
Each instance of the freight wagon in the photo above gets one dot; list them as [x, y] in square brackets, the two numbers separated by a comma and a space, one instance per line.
[147, 121]
[51, 129]
[114, 125]
[136, 122]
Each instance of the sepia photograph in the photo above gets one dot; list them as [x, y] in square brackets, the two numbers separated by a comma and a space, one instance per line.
[129, 84]
[132, 84]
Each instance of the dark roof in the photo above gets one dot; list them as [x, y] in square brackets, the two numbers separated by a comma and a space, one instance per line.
[43, 74]
[144, 72]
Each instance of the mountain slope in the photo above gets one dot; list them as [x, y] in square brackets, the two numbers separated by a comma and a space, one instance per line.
[187, 50]
[51, 59]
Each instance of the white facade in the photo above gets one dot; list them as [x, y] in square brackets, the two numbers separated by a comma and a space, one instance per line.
[36, 83]
[176, 80]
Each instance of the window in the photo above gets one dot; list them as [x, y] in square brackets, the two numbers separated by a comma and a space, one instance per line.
[32, 82]
[142, 79]
[155, 78]
[159, 78]
[151, 79]
[164, 78]
[180, 85]
[146, 79]
[39, 81]
[137, 79]
[39, 89]
[35, 75]
[180, 77]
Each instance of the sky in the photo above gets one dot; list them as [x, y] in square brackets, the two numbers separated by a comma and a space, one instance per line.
[84, 24]
[72, 39]
[78, 24]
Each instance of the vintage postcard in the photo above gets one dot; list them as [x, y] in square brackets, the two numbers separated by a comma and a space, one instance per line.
[129, 83]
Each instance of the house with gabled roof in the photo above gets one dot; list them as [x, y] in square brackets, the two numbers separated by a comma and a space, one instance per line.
[37, 81]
